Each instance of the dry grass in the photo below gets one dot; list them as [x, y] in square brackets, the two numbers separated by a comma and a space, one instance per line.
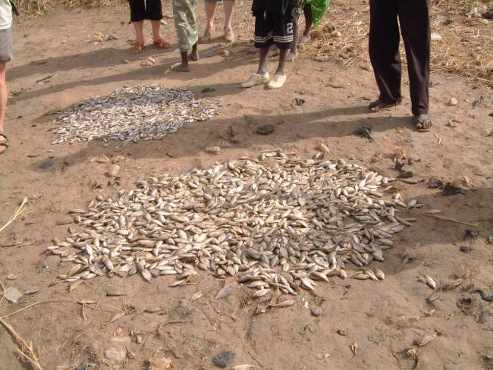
[466, 47]
[41, 7]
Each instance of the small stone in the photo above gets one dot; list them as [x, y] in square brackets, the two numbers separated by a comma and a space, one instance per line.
[316, 311]
[223, 359]
[11, 277]
[208, 89]
[436, 36]
[139, 339]
[213, 150]
[116, 355]
[453, 102]
[13, 295]
[46, 164]
[405, 174]
[452, 123]
[265, 129]
[114, 170]
[465, 248]
[226, 53]
[226, 291]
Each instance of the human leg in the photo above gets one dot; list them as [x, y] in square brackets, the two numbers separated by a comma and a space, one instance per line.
[415, 27]
[228, 20]
[384, 52]
[186, 30]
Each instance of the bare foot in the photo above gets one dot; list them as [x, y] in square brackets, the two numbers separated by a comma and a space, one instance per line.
[194, 56]
[180, 67]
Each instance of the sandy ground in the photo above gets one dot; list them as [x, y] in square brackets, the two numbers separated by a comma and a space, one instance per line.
[382, 320]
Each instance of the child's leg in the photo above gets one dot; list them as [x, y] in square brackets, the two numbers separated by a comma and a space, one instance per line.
[194, 55]
[228, 20]
[283, 53]
[307, 9]
[137, 16]
[156, 27]
[263, 61]
[139, 33]
[294, 46]
[210, 11]
[186, 30]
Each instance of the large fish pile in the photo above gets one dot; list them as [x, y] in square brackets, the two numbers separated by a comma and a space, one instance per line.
[275, 222]
[132, 114]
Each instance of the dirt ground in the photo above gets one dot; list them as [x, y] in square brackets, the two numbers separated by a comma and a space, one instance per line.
[379, 321]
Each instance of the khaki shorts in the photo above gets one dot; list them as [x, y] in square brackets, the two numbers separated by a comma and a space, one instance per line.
[6, 52]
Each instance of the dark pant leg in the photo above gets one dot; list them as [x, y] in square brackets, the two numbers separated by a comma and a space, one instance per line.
[137, 10]
[384, 48]
[415, 27]
[154, 10]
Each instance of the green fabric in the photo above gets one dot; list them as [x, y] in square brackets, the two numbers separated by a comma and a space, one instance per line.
[185, 13]
[319, 7]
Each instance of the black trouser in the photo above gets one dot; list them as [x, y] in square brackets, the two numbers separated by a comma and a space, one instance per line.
[414, 21]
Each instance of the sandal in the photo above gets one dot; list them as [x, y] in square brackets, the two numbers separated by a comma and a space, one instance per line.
[229, 35]
[277, 82]
[423, 122]
[380, 104]
[4, 143]
[206, 38]
[255, 80]
[161, 44]
[138, 47]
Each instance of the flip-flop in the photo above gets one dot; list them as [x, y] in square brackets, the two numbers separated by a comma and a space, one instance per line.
[138, 48]
[277, 82]
[4, 143]
[380, 104]
[206, 38]
[229, 36]
[256, 79]
[423, 122]
[178, 67]
[161, 43]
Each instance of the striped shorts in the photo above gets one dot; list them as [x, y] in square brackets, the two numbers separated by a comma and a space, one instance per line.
[274, 28]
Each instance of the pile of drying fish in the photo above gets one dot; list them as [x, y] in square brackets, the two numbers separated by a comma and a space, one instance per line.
[276, 222]
[132, 114]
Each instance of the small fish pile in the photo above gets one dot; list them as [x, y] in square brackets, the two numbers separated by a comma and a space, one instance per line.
[132, 114]
[277, 222]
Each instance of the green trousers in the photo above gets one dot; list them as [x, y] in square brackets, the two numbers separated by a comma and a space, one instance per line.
[187, 30]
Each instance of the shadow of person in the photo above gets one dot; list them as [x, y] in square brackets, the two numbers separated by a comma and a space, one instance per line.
[240, 132]
[103, 57]
[153, 73]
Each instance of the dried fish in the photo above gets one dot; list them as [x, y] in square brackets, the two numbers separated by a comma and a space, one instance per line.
[277, 224]
[133, 114]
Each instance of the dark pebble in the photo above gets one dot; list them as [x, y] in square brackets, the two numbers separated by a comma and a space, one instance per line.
[265, 129]
[465, 249]
[208, 90]
[223, 359]
[451, 189]
[471, 234]
[46, 164]
[406, 175]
